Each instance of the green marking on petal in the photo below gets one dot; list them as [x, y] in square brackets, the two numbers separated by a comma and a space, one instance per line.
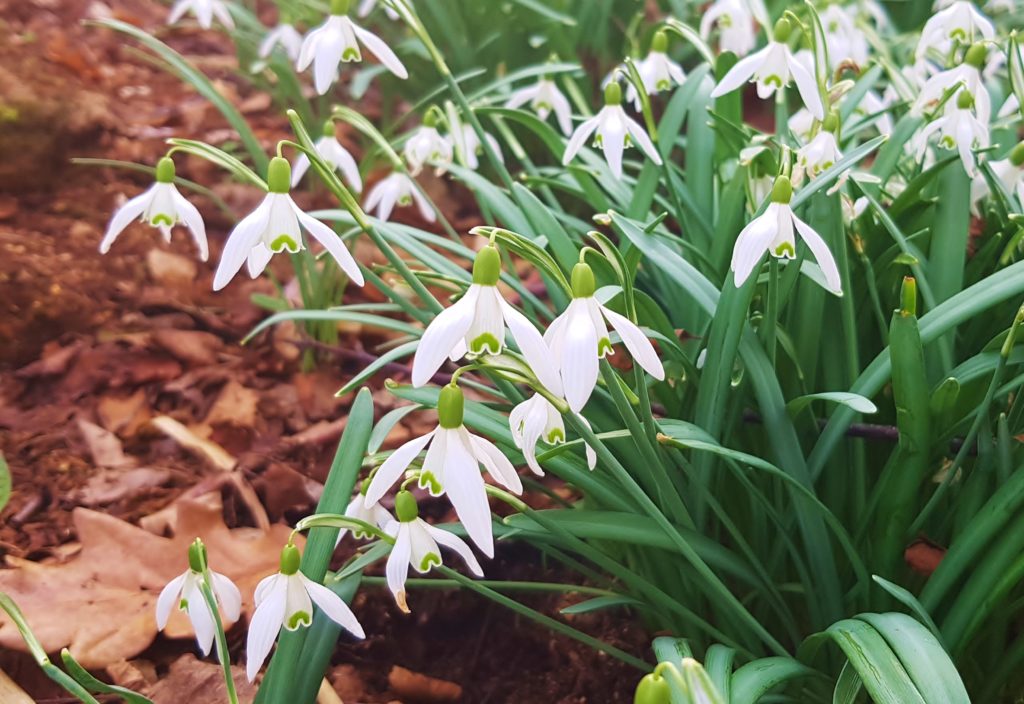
[429, 482]
[485, 343]
[555, 436]
[161, 219]
[183, 605]
[299, 618]
[662, 85]
[948, 142]
[773, 80]
[431, 558]
[604, 347]
[283, 242]
[351, 55]
[543, 105]
[405, 200]
[785, 249]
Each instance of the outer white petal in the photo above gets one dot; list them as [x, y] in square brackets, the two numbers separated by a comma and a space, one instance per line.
[259, 256]
[308, 50]
[563, 112]
[752, 243]
[221, 12]
[331, 242]
[346, 164]
[325, 63]
[397, 568]
[444, 331]
[807, 86]
[379, 48]
[579, 356]
[740, 73]
[522, 96]
[497, 465]
[613, 136]
[299, 169]
[635, 341]
[265, 625]
[464, 486]
[642, 140]
[190, 215]
[527, 428]
[240, 242]
[578, 139]
[333, 606]
[531, 343]
[821, 253]
[201, 618]
[393, 466]
[131, 210]
[168, 599]
[590, 453]
[228, 595]
[456, 545]
[178, 11]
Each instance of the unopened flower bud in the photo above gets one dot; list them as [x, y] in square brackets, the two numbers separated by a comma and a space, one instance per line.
[653, 689]
[659, 42]
[197, 556]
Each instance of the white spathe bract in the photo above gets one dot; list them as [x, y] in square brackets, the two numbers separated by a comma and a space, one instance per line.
[961, 22]
[161, 207]
[959, 129]
[613, 130]
[427, 144]
[339, 158]
[544, 98]
[286, 600]
[337, 40]
[285, 36]
[205, 12]
[735, 23]
[535, 419]
[184, 591]
[416, 544]
[397, 189]
[819, 154]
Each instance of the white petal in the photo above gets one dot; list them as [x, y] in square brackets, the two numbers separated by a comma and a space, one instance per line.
[563, 112]
[444, 331]
[494, 461]
[201, 618]
[591, 454]
[332, 243]
[397, 568]
[464, 486]
[240, 242]
[613, 137]
[422, 204]
[807, 86]
[532, 345]
[579, 357]
[379, 48]
[299, 169]
[190, 215]
[228, 595]
[393, 467]
[636, 342]
[821, 253]
[751, 244]
[123, 217]
[265, 625]
[346, 164]
[456, 545]
[643, 141]
[520, 97]
[333, 606]
[259, 256]
[740, 73]
[168, 599]
[578, 139]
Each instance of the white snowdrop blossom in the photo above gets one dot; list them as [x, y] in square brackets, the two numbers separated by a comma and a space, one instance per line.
[735, 23]
[274, 227]
[1009, 172]
[873, 104]
[801, 124]
[958, 128]
[846, 41]
[416, 544]
[286, 600]
[468, 147]
[161, 207]
[337, 40]
[185, 592]
[476, 325]
[336, 156]
[613, 131]
[961, 21]
[578, 339]
[536, 419]
[205, 12]
[822, 152]
[285, 36]
[397, 189]
[772, 231]
[426, 144]
[657, 71]
[544, 98]
[451, 467]
[772, 68]
[373, 514]
[968, 76]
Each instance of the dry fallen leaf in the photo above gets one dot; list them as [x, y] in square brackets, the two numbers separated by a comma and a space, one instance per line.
[421, 688]
[111, 485]
[198, 682]
[104, 446]
[235, 406]
[208, 449]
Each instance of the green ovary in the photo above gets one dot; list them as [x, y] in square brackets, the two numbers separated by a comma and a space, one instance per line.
[430, 482]
[299, 618]
[604, 347]
[283, 242]
[161, 219]
[431, 558]
[785, 249]
[485, 343]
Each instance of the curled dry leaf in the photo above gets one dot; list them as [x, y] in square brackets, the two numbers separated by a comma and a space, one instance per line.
[421, 688]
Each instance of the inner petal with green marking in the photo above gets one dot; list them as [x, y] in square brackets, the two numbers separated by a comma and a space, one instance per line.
[351, 54]
[605, 347]
[299, 618]
[283, 242]
[161, 219]
[485, 342]
[431, 483]
[785, 249]
[772, 79]
[431, 558]
[555, 436]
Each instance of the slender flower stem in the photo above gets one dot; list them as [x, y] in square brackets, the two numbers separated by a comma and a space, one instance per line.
[771, 315]
[221, 640]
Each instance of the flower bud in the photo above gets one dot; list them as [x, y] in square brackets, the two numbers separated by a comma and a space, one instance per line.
[405, 506]
[197, 556]
[653, 689]
[782, 191]
[613, 93]
[659, 42]
[290, 559]
[975, 56]
[279, 175]
[165, 170]
[583, 283]
[487, 266]
[339, 7]
[783, 29]
[450, 407]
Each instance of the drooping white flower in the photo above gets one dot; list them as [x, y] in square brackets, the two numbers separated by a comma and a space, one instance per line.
[451, 467]
[205, 12]
[285, 36]
[822, 152]
[336, 156]
[162, 207]
[286, 600]
[1009, 172]
[801, 124]
[476, 325]
[613, 131]
[735, 23]
[846, 41]
[275, 227]
[544, 98]
[536, 419]
[961, 22]
[772, 232]
[374, 514]
[427, 144]
[337, 40]
[416, 544]
[772, 68]
[578, 339]
[397, 189]
[185, 592]
[958, 128]
[873, 104]
[968, 76]
[468, 147]
[657, 71]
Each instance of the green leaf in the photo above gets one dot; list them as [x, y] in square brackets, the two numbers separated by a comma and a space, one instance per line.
[83, 677]
[599, 603]
[220, 158]
[844, 398]
[5, 482]
[755, 679]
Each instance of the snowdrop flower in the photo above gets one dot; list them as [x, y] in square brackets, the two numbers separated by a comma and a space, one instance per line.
[735, 23]
[452, 467]
[578, 338]
[967, 75]
[544, 98]
[274, 227]
[416, 544]
[958, 129]
[846, 41]
[366, 7]
[468, 147]
[773, 232]
[286, 599]
[476, 325]
[874, 104]
[185, 591]
[536, 419]
[427, 144]
[614, 131]
[336, 156]
[657, 71]
[821, 152]
[337, 40]
[285, 36]
[162, 207]
[771, 68]
[205, 12]
[1009, 172]
[961, 21]
[374, 514]
[801, 124]
[397, 189]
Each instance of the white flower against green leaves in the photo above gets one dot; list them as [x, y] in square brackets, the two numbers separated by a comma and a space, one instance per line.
[772, 232]
[613, 131]
[476, 325]
[451, 467]
[735, 22]
[968, 76]
[275, 227]
[578, 339]
[961, 22]
[416, 545]
[286, 600]
[544, 98]
[958, 128]
[822, 152]
[426, 144]
[535, 419]
[1009, 172]
[205, 12]
[162, 207]
[772, 68]
[336, 156]
[285, 36]
[337, 40]
[846, 41]
[366, 7]
[468, 147]
[373, 514]
[657, 71]
[397, 189]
